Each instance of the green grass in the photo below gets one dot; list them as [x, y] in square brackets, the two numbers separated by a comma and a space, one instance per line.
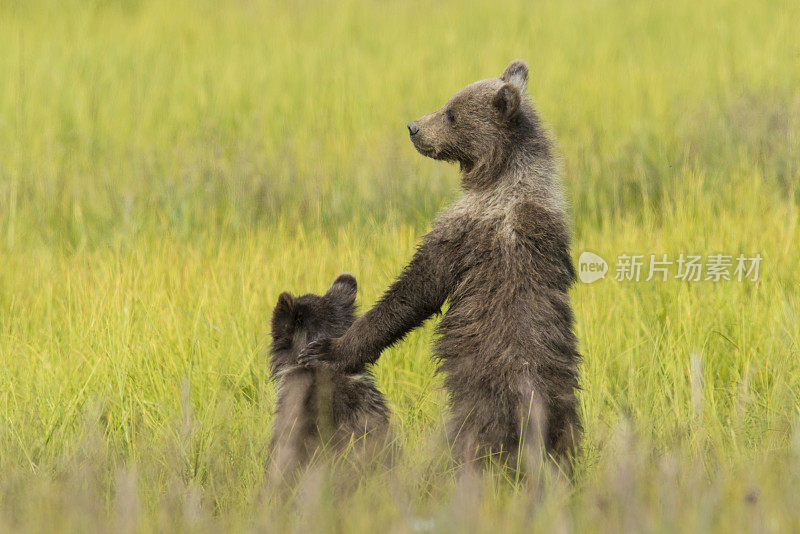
[168, 168]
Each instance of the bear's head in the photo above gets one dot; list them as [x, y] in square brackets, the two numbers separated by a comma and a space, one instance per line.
[297, 321]
[480, 123]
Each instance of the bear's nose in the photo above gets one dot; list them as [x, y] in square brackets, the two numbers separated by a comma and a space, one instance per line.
[412, 128]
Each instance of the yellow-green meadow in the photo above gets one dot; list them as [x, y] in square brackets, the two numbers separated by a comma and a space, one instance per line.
[168, 168]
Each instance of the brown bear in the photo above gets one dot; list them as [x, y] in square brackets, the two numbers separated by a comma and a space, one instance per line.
[501, 256]
[319, 407]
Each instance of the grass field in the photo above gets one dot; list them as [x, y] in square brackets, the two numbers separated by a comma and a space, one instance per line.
[168, 168]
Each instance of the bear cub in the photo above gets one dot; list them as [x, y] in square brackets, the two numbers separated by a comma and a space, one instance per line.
[500, 257]
[317, 408]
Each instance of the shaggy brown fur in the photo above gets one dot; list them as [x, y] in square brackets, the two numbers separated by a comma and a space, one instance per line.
[320, 406]
[500, 255]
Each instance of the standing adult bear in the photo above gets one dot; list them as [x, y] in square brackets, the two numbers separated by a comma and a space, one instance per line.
[500, 254]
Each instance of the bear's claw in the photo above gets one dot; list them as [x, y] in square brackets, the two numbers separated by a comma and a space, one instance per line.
[316, 354]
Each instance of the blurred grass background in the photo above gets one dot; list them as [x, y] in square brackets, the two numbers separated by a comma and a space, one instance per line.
[168, 168]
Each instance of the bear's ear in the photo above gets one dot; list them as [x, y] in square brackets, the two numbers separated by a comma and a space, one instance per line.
[285, 306]
[506, 100]
[343, 289]
[516, 74]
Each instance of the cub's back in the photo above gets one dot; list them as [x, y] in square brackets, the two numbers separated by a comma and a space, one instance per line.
[318, 407]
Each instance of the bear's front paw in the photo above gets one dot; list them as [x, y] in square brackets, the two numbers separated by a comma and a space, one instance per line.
[320, 354]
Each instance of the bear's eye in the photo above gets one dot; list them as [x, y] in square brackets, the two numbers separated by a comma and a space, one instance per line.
[451, 116]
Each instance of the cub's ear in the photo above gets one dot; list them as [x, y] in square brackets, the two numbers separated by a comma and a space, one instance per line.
[344, 289]
[516, 74]
[285, 306]
[506, 100]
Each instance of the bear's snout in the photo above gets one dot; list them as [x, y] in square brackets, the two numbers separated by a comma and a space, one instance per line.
[413, 129]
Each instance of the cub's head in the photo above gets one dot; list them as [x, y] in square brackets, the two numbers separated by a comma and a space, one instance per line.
[479, 121]
[297, 321]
